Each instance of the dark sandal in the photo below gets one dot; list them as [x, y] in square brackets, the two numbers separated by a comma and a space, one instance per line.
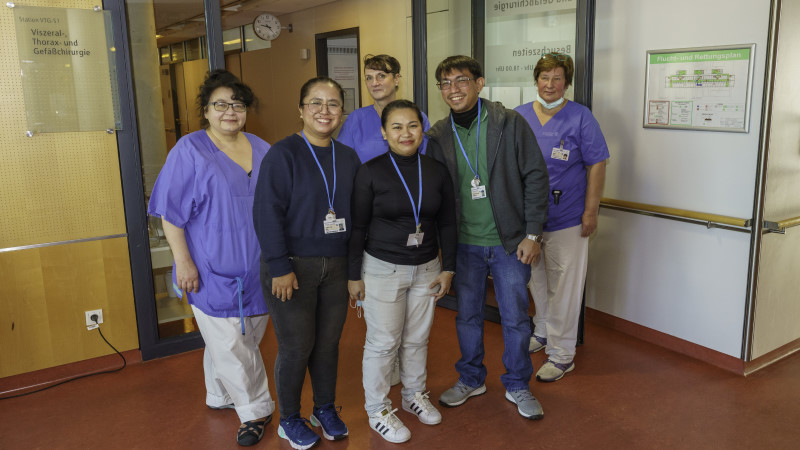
[251, 432]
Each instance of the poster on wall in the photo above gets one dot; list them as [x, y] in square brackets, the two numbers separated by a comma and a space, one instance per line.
[705, 88]
[68, 69]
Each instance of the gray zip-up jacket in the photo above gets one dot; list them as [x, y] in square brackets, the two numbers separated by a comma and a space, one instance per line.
[518, 186]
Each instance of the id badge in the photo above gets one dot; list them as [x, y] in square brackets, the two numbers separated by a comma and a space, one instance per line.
[415, 239]
[334, 226]
[478, 192]
[560, 154]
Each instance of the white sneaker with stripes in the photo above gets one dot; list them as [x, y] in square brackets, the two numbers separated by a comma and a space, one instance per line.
[424, 410]
[389, 426]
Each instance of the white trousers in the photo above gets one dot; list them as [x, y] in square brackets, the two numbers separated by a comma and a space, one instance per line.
[398, 310]
[234, 370]
[557, 280]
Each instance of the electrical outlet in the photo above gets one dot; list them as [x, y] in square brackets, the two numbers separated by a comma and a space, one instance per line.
[90, 325]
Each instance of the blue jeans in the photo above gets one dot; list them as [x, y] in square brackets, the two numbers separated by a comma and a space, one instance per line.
[473, 265]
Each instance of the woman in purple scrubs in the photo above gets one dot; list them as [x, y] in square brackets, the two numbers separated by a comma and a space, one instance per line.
[362, 129]
[576, 152]
[204, 196]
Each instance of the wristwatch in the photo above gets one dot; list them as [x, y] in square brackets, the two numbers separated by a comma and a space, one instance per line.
[535, 238]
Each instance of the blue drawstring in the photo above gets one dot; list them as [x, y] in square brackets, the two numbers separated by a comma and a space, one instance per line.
[240, 286]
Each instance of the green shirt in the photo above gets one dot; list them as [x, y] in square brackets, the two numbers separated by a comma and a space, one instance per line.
[477, 220]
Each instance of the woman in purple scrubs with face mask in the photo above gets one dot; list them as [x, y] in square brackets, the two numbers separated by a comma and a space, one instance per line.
[204, 196]
[575, 152]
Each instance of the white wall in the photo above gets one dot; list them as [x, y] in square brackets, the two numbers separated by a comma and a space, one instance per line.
[680, 279]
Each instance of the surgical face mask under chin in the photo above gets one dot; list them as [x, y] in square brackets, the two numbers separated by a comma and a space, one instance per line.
[549, 105]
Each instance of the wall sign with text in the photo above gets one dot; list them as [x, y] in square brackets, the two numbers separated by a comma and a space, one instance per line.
[66, 59]
[699, 88]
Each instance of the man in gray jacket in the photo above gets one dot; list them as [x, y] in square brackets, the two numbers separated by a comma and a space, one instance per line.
[501, 182]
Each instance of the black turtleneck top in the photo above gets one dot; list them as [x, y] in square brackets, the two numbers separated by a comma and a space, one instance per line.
[382, 217]
[464, 119]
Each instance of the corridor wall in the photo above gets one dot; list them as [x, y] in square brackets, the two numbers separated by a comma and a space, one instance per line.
[680, 279]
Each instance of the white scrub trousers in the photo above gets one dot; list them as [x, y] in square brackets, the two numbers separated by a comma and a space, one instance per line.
[234, 370]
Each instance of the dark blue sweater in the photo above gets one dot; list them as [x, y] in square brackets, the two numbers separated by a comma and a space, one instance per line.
[291, 202]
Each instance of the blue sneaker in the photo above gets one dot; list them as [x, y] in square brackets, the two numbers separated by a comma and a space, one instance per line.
[327, 417]
[295, 430]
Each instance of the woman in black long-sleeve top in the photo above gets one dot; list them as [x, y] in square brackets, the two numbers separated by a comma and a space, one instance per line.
[403, 211]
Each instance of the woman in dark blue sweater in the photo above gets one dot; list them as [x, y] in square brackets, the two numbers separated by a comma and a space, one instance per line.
[403, 212]
[301, 214]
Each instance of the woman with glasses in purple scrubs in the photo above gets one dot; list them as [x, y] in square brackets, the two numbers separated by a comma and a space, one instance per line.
[204, 196]
[575, 152]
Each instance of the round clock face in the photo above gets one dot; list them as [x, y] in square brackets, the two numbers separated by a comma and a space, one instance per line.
[267, 27]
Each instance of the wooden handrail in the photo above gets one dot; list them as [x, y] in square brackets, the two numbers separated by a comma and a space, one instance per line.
[710, 219]
[782, 225]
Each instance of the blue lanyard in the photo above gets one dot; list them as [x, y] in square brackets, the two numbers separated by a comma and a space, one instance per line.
[418, 208]
[477, 143]
[328, 195]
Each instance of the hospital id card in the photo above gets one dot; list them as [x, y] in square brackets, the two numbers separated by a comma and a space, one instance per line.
[478, 192]
[333, 225]
[560, 154]
[415, 239]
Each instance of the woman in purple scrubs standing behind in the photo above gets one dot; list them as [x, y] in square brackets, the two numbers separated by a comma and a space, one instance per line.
[204, 196]
[362, 129]
[576, 152]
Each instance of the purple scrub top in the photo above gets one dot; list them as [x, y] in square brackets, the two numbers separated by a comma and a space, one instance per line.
[203, 191]
[362, 131]
[582, 137]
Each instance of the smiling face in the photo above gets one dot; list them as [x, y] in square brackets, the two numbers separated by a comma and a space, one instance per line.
[381, 85]
[320, 125]
[551, 84]
[227, 122]
[403, 131]
[459, 98]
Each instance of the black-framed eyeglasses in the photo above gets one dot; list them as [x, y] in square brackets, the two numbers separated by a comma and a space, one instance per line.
[223, 106]
[556, 55]
[461, 82]
[315, 106]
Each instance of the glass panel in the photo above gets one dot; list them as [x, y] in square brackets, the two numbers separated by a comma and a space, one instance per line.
[177, 52]
[449, 33]
[232, 39]
[193, 50]
[253, 42]
[514, 43]
[166, 51]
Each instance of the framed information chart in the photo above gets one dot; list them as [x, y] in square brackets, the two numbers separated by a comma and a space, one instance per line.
[699, 88]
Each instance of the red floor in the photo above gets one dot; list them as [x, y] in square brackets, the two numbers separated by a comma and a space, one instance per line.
[624, 393]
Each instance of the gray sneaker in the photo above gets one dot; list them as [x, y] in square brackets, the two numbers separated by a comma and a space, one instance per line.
[459, 393]
[527, 405]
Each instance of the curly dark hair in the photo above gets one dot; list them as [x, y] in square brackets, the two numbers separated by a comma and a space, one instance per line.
[222, 78]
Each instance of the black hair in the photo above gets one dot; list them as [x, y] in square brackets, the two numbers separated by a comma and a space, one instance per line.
[459, 62]
[319, 80]
[216, 79]
[384, 63]
[399, 104]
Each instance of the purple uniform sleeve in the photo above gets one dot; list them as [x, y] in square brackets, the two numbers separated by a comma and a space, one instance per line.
[173, 193]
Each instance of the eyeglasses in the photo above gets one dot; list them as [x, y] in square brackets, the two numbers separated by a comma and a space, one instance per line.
[315, 106]
[461, 82]
[223, 106]
[556, 55]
